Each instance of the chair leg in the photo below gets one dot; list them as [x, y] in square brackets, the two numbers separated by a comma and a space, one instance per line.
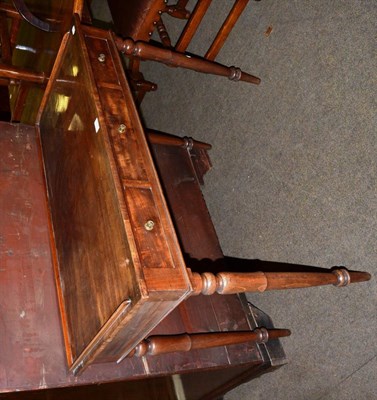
[147, 51]
[162, 344]
[230, 282]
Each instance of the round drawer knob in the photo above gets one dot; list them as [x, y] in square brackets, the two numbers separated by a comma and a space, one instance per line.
[149, 225]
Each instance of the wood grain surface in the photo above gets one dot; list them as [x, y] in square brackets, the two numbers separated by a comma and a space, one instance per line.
[109, 227]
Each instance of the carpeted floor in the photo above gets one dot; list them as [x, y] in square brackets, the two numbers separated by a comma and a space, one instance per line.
[294, 174]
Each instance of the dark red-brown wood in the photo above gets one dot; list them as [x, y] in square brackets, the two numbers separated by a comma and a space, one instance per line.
[32, 59]
[116, 251]
[172, 58]
[208, 283]
[137, 20]
[38, 350]
[32, 352]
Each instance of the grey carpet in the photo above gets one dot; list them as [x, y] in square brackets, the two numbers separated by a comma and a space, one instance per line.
[294, 175]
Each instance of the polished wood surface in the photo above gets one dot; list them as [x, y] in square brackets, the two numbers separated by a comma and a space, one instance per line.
[116, 248]
[6, 52]
[33, 53]
[32, 354]
[119, 267]
[150, 389]
[145, 15]
[178, 10]
[170, 140]
[172, 58]
[135, 18]
[24, 11]
[181, 168]
[232, 282]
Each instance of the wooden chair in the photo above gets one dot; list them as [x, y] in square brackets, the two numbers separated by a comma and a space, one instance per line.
[138, 19]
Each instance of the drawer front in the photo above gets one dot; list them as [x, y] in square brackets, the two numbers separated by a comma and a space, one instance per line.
[149, 234]
[127, 149]
[101, 60]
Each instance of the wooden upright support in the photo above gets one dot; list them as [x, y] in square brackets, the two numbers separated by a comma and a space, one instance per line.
[163, 344]
[230, 282]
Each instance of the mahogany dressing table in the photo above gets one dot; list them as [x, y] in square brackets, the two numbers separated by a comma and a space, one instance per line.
[117, 262]
[33, 348]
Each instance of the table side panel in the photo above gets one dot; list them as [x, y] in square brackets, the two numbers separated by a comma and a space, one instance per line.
[96, 269]
[158, 246]
[99, 219]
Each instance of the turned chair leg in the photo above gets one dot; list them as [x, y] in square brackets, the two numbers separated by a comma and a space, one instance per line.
[163, 344]
[230, 282]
